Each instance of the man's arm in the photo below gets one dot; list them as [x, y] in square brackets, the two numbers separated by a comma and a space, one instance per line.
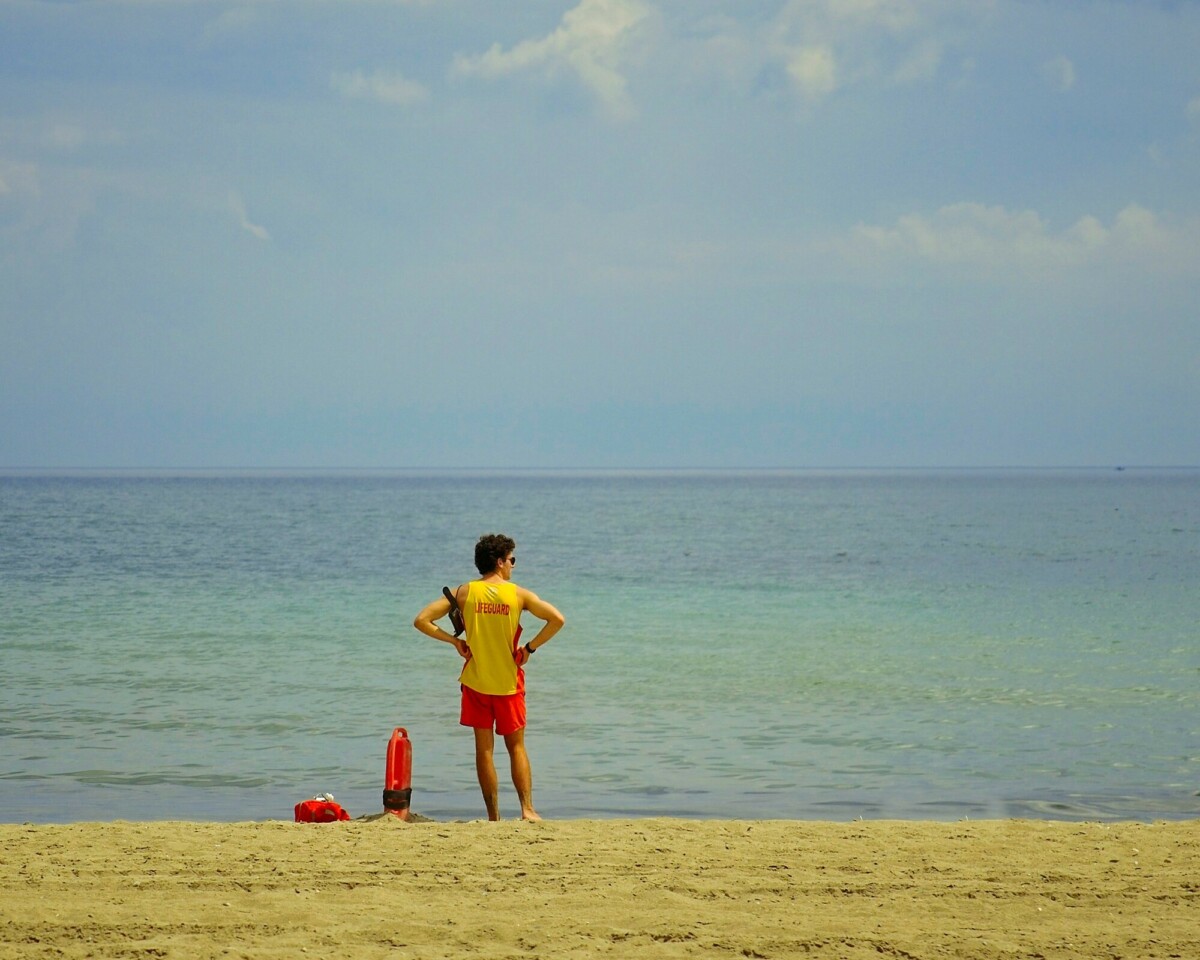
[424, 621]
[543, 611]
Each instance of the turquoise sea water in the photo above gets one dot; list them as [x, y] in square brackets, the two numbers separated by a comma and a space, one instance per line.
[805, 645]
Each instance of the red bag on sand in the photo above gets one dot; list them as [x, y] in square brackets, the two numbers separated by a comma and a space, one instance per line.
[322, 809]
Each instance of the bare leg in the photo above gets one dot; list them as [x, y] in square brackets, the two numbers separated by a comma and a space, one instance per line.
[522, 776]
[485, 768]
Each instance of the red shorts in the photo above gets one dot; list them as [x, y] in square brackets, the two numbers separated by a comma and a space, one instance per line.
[482, 710]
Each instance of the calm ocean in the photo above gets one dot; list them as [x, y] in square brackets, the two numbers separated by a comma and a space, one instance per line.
[823, 645]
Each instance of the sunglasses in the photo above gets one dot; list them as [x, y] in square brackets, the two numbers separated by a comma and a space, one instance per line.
[513, 561]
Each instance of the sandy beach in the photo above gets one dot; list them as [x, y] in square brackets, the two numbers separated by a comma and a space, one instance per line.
[632, 888]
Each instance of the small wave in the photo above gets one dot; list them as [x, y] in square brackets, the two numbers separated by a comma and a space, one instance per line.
[1082, 807]
[117, 778]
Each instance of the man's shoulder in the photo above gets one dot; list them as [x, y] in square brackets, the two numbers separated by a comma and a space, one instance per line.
[523, 593]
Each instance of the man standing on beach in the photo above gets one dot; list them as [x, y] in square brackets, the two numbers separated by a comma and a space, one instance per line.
[492, 680]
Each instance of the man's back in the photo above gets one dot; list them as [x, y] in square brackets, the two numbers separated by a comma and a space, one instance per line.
[492, 614]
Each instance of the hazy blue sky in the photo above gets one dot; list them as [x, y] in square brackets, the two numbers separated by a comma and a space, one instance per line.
[599, 233]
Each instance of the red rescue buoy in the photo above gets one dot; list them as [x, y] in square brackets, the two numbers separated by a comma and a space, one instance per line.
[397, 781]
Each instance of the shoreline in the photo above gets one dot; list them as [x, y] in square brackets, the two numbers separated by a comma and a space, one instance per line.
[658, 887]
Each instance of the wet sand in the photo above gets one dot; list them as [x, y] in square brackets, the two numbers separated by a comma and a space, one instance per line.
[629, 888]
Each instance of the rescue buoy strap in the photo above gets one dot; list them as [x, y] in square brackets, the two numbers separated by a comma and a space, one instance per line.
[397, 799]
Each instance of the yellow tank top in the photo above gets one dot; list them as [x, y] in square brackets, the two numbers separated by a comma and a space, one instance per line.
[492, 615]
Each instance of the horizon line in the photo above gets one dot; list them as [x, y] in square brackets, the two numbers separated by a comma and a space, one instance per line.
[753, 468]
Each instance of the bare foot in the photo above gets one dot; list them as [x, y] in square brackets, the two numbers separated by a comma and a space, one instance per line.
[530, 814]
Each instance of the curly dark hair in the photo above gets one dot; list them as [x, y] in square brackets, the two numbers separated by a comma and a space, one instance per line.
[491, 549]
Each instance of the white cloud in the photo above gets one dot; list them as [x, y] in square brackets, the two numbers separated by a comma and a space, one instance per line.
[590, 42]
[65, 133]
[972, 234]
[392, 88]
[814, 71]
[921, 63]
[44, 205]
[238, 206]
[894, 15]
[828, 45]
[1060, 73]
[66, 136]
[245, 3]
[19, 181]
[234, 22]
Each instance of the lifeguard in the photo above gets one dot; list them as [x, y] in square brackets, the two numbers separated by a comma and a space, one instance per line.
[493, 679]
